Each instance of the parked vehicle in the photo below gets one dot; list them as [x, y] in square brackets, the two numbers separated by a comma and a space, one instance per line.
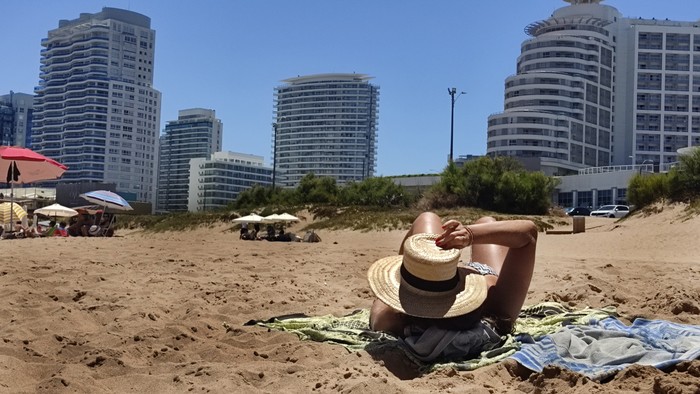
[612, 211]
[578, 211]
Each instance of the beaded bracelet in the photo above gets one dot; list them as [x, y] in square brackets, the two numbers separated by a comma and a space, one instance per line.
[470, 236]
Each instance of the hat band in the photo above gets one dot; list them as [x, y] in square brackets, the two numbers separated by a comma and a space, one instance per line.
[429, 285]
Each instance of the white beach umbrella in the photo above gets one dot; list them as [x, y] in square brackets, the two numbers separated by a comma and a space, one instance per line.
[252, 218]
[283, 217]
[288, 218]
[273, 218]
[56, 210]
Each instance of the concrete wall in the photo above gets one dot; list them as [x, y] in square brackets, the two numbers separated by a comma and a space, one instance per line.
[586, 182]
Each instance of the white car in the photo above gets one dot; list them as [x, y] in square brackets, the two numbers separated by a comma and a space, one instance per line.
[612, 211]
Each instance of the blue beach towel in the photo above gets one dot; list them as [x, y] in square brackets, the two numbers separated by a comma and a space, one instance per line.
[602, 348]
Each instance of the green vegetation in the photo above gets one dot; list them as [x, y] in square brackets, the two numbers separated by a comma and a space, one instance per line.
[496, 184]
[374, 192]
[646, 189]
[322, 217]
[681, 184]
[174, 221]
[372, 219]
[499, 184]
[482, 187]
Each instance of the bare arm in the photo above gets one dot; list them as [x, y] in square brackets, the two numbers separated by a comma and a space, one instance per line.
[506, 246]
[510, 233]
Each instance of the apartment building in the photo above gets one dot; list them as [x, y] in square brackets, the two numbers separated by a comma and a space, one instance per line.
[96, 110]
[217, 181]
[196, 133]
[595, 89]
[325, 124]
[16, 114]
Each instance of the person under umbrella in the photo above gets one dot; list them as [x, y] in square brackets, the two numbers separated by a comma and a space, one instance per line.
[106, 199]
[23, 165]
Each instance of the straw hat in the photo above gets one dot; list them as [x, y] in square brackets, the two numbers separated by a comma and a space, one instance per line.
[425, 281]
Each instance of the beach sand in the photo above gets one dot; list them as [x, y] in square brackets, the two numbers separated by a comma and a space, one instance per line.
[145, 312]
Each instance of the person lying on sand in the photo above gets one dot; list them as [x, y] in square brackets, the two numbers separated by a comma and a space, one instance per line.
[426, 286]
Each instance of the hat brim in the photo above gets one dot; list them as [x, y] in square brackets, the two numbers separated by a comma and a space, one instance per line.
[385, 281]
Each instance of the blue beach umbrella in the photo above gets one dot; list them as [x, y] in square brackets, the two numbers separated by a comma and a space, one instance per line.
[107, 199]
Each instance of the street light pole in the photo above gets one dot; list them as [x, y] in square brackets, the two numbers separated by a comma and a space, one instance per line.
[643, 163]
[452, 92]
[274, 155]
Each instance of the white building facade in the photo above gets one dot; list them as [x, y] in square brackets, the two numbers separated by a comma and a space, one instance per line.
[96, 110]
[325, 124]
[217, 181]
[595, 89]
[660, 90]
[196, 133]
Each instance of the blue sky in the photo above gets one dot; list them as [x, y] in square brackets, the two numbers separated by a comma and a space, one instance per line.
[229, 55]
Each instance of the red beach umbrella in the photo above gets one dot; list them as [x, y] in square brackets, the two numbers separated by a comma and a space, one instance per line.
[23, 165]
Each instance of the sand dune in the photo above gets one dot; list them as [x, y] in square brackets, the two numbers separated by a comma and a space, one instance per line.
[147, 312]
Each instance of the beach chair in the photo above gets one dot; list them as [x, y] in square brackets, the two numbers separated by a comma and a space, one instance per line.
[311, 236]
[102, 231]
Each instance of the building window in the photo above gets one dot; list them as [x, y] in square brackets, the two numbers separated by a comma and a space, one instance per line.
[604, 197]
[677, 42]
[677, 82]
[676, 102]
[649, 61]
[650, 40]
[649, 81]
[677, 62]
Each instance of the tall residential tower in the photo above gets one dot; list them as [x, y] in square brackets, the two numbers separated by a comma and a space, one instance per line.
[196, 133]
[593, 88]
[325, 124]
[96, 110]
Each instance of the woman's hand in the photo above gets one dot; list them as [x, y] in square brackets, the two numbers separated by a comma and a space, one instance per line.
[454, 236]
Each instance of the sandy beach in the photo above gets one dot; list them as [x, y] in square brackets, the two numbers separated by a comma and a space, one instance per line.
[147, 312]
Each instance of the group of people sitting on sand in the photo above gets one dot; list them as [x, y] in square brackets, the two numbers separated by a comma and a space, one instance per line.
[86, 225]
[83, 225]
[23, 231]
[270, 233]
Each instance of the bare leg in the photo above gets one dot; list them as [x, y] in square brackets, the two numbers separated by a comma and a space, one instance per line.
[514, 267]
[490, 254]
[382, 317]
[426, 222]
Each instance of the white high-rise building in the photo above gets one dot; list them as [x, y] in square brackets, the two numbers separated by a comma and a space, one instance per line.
[216, 181]
[196, 133]
[594, 88]
[96, 110]
[325, 124]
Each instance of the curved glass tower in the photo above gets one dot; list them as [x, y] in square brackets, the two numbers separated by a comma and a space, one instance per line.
[558, 107]
[325, 124]
[595, 89]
